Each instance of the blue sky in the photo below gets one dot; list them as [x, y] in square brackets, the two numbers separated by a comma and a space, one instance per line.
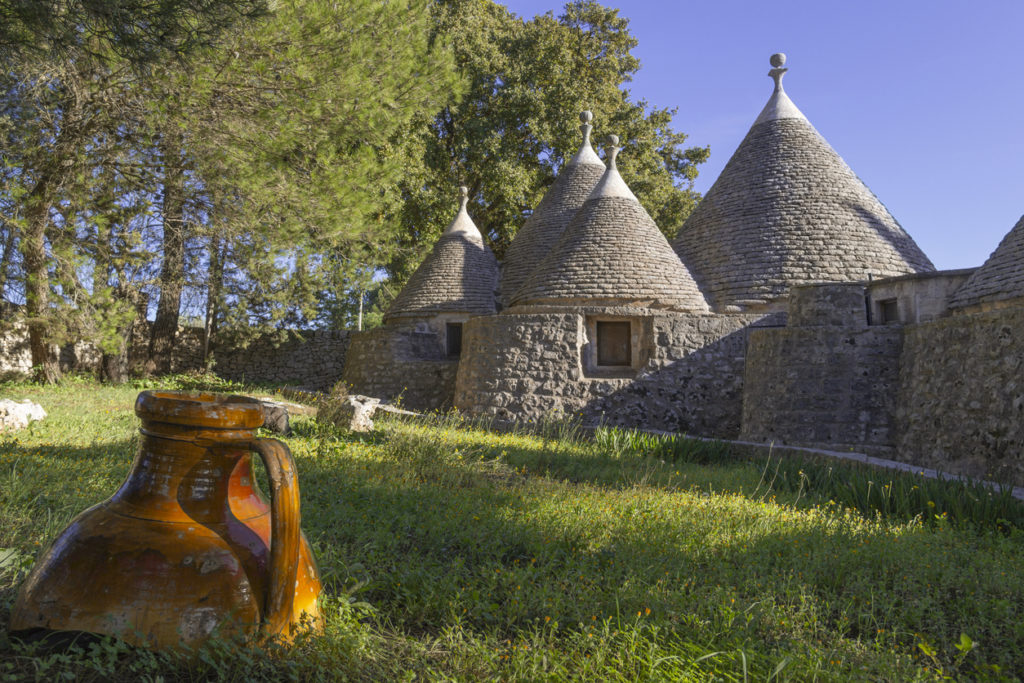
[923, 99]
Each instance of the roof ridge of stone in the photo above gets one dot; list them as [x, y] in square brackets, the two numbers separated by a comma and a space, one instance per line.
[545, 225]
[612, 251]
[463, 224]
[1001, 277]
[460, 274]
[611, 183]
[787, 210]
[585, 154]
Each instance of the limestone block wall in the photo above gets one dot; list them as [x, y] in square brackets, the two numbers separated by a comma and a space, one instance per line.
[919, 297]
[827, 305]
[822, 386]
[529, 366]
[399, 362]
[186, 354]
[311, 359]
[827, 378]
[15, 355]
[961, 395]
[521, 367]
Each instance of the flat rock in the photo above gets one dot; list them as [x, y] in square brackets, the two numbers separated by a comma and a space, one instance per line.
[17, 415]
[352, 411]
[276, 412]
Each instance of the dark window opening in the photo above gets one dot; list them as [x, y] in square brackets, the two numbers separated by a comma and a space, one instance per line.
[454, 339]
[613, 343]
[889, 311]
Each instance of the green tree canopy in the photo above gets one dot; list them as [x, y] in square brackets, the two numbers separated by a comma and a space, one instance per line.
[292, 127]
[140, 31]
[516, 125]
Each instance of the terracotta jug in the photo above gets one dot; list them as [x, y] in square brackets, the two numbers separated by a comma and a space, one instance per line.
[186, 547]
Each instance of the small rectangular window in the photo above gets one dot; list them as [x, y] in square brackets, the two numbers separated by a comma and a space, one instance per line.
[453, 334]
[614, 346]
[888, 311]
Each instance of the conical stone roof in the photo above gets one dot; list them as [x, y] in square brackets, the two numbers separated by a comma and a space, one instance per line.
[612, 253]
[459, 275]
[787, 210]
[1001, 278]
[545, 225]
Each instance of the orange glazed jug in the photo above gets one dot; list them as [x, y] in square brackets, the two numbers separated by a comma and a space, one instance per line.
[186, 547]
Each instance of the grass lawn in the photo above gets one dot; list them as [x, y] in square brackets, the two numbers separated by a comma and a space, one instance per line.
[453, 553]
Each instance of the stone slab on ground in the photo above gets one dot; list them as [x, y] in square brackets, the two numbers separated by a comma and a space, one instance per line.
[352, 412]
[17, 414]
[276, 413]
[355, 412]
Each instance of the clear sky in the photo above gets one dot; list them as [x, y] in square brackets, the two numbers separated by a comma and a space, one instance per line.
[924, 99]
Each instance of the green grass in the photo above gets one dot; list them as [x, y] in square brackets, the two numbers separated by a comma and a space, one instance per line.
[452, 552]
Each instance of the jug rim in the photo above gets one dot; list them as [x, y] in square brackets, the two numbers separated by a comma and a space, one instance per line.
[200, 408]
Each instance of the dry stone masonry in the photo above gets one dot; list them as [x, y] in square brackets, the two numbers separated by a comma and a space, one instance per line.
[413, 358]
[1001, 280]
[311, 359]
[612, 252]
[787, 210]
[459, 275]
[541, 231]
[792, 309]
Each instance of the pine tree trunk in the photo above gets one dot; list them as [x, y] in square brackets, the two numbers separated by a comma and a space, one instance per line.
[213, 294]
[46, 367]
[172, 271]
[5, 260]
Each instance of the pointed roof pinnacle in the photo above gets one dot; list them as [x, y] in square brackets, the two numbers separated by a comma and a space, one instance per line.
[463, 224]
[586, 153]
[459, 274]
[612, 184]
[779, 105]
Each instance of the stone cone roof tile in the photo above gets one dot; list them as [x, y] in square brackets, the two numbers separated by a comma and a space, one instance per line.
[459, 275]
[612, 253]
[787, 210]
[1002, 275]
[541, 231]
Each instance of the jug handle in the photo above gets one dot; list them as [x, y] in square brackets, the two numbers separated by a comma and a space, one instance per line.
[285, 534]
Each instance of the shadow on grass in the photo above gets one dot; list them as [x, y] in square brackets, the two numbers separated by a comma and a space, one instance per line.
[434, 542]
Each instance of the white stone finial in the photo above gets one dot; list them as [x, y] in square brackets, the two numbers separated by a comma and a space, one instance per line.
[586, 154]
[611, 183]
[585, 118]
[462, 224]
[612, 142]
[779, 105]
[778, 61]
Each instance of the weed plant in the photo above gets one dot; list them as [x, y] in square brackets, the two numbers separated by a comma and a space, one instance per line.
[453, 552]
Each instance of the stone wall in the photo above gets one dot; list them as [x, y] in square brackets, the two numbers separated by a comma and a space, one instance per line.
[15, 355]
[822, 386]
[186, 354]
[961, 395]
[401, 363]
[919, 298]
[827, 378]
[529, 366]
[311, 359]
